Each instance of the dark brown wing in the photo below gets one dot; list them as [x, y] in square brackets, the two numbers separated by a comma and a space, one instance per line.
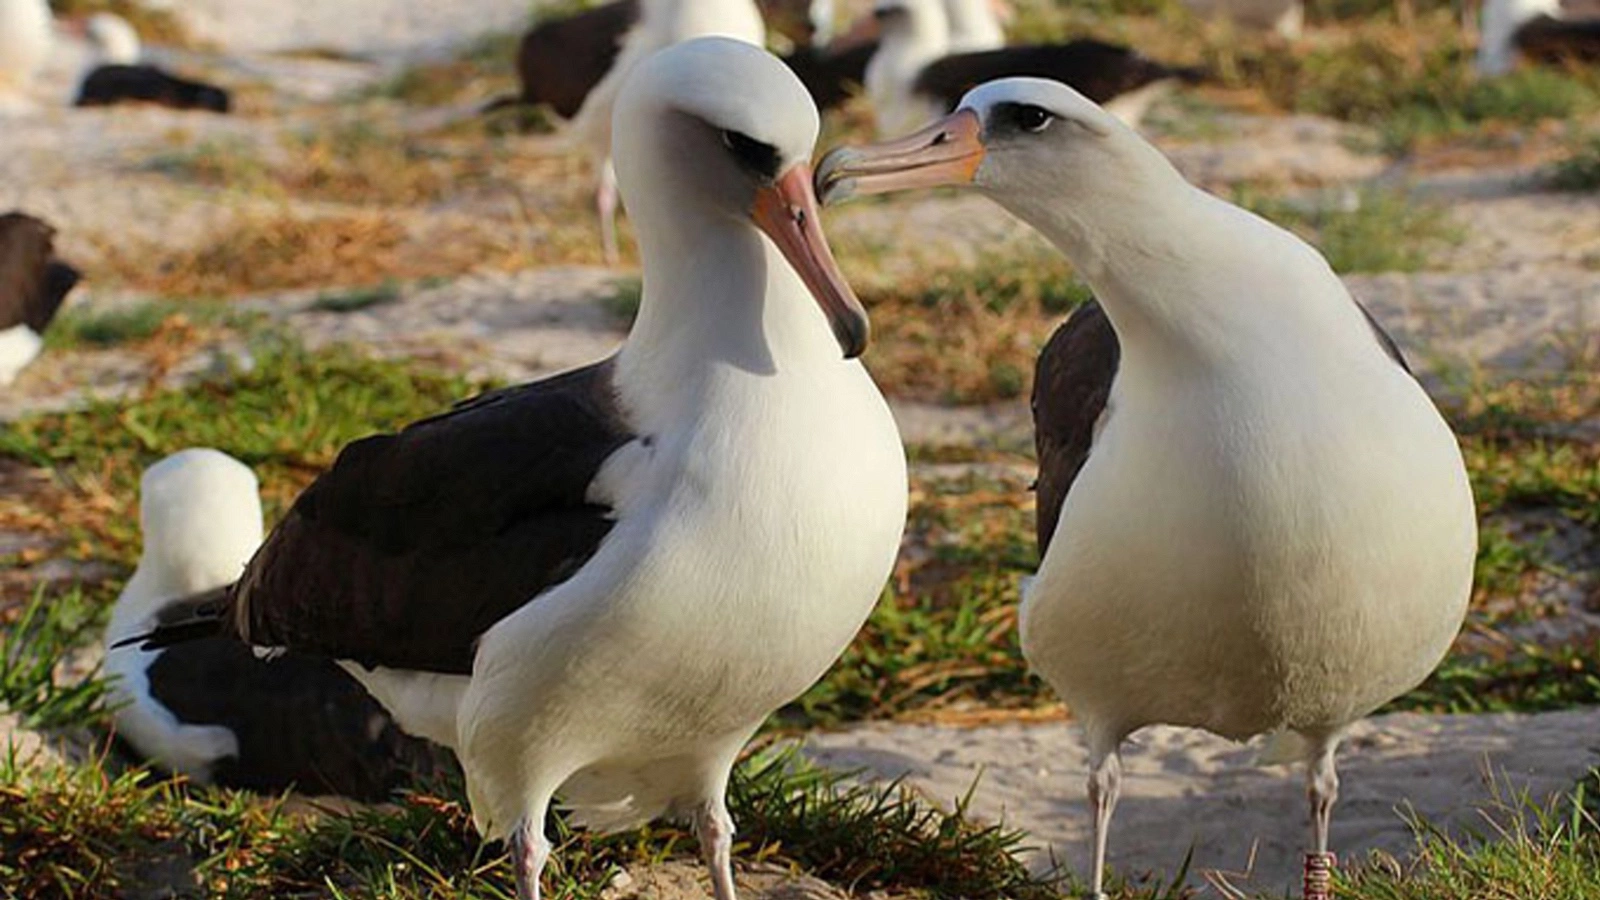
[33, 283]
[1098, 70]
[831, 77]
[560, 61]
[415, 543]
[300, 722]
[1552, 40]
[113, 84]
[1071, 385]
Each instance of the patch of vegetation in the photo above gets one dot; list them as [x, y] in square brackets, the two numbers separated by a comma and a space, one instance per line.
[286, 417]
[32, 645]
[283, 250]
[623, 301]
[84, 833]
[485, 65]
[77, 327]
[1581, 170]
[357, 299]
[1526, 849]
[1364, 231]
[968, 333]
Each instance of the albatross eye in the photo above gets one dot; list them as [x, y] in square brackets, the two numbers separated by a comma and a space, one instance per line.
[1033, 119]
[757, 157]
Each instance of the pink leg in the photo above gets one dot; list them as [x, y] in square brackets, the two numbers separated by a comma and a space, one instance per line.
[605, 201]
[1105, 785]
[714, 827]
[1322, 789]
[529, 850]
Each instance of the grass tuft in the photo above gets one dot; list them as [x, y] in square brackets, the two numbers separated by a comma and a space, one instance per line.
[1580, 171]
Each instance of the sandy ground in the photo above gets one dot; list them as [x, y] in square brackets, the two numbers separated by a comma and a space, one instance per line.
[1186, 789]
[1522, 290]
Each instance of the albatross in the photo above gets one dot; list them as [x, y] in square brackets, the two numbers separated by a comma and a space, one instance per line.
[661, 23]
[1253, 520]
[211, 709]
[26, 36]
[599, 585]
[1544, 31]
[33, 285]
[122, 75]
[915, 76]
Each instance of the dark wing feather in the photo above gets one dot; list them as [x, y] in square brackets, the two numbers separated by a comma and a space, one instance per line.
[1098, 70]
[560, 61]
[33, 283]
[831, 77]
[300, 721]
[1551, 40]
[415, 543]
[1070, 386]
[109, 85]
[1384, 340]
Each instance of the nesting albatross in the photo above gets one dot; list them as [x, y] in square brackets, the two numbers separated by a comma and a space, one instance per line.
[1254, 520]
[598, 585]
[211, 709]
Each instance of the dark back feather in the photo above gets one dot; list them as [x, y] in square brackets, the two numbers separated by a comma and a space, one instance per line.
[33, 283]
[415, 543]
[301, 722]
[1550, 40]
[1098, 70]
[831, 77]
[560, 61]
[109, 85]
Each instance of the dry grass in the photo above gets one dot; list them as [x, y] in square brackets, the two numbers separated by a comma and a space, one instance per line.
[282, 250]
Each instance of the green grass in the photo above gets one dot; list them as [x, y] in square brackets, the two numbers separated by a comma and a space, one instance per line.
[78, 328]
[357, 299]
[84, 831]
[1580, 171]
[1370, 230]
[33, 644]
[286, 417]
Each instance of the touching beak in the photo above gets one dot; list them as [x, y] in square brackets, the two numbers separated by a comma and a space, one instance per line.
[947, 152]
[786, 211]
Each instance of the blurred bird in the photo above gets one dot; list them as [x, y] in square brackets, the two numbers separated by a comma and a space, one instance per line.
[211, 709]
[662, 23]
[33, 285]
[599, 585]
[121, 75]
[26, 37]
[1543, 31]
[913, 78]
[1252, 518]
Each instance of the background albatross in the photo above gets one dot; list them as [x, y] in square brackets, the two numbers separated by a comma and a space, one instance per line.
[1264, 526]
[601, 583]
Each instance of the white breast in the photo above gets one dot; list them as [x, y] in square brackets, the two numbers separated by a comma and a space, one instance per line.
[1252, 553]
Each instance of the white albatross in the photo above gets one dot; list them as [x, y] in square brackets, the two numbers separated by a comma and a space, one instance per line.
[599, 585]
[1265, 526]
[662, 23]
[27, 34]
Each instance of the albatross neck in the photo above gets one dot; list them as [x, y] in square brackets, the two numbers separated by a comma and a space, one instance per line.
[718, 296]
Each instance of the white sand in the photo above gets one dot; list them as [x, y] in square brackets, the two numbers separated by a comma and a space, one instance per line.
[1185, 788]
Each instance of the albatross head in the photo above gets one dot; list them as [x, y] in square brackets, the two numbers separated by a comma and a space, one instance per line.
[1037, 147]
[713, 131]
[200, 512]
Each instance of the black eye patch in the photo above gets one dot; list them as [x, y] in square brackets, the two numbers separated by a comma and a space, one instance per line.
[1021, 117]
[755, 156]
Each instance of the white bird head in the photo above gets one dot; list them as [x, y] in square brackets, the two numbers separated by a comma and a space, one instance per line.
[713, 130]
[1037, 147]
[114, 39]
[200, 512]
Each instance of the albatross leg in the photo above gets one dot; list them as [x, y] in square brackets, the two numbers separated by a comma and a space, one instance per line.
[1322, 789]
[605, 202]
[714, 827]
[1105, 785]
[530, 849]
